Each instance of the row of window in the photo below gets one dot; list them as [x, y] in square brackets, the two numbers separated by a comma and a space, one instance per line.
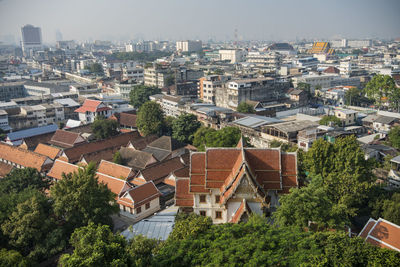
[139, 209]
[203, 199]
[218, 214]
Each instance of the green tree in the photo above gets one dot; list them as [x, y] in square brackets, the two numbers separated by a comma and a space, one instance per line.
[117, 158]
[184, 127]
[96, 245]
[310, 203]
[327, 120]
[381, 86]
[140, 94]
[80, 199]
[355, 97]
[140, 251]
[32, 231]
[391, 209]
[96, 68]
[287, 147]
[150, 118]
[245, 107]
[170, 80]
[167, 129]
[12, 258]
[104, 128]
[20, 179]
[207, 137]
[394, 137]
[305, 87]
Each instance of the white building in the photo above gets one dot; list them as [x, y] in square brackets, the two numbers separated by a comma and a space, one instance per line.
[91, 109]
[233, 55]
[189, 46]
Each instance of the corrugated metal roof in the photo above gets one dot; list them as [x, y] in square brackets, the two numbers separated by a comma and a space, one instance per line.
[32, 132]
[158, 226]
[255, 121]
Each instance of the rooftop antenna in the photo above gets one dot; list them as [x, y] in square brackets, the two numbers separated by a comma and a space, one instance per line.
[235, 37]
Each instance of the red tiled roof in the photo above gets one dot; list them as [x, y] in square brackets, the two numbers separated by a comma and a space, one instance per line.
[92, 106]
[73, 154]
[182, 196]
[144, 193]
[126, 119]
[24, 157]
[223, 169]
[51, 152]
[115, 170]
[382, 233]
[66, 139]
[157, 172]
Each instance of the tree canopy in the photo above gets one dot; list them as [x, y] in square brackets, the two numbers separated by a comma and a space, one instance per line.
[382, 88]
[245, 107]
[184, 127]
[394, 137]
[104, 128]
[140, 94]
[150, 118]
[355, 97]
[208, 137]
[96, 245]
[96, 68]
[287, 147]
[20, 179]
[328, 119]
[80, 199]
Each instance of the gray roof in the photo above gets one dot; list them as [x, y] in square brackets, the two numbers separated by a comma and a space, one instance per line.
[255, 121]
[294, 126]
[385, 119]
[158, 226]
[370, 118]
[67, 102]
[32, 132]
[396, 159]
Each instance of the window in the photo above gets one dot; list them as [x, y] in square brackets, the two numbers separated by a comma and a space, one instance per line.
[139, 210]
[217, 198]
[147, 206]
[203, 213]
[202, 198]
[218, 215]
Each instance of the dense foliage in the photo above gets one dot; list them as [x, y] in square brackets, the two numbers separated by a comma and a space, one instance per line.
[245, 107]
[80, 199]
[394, 137]
[95, 68]
[381, 88]
[140, 94]
[208, 137]
[104, 128]
[356, 97]
[150, 119]
[330, 120]
[184, 127]
[287, 147]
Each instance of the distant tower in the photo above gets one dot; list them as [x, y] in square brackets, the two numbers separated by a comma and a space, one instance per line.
[31, 38]
[59, 36]
[235, 37]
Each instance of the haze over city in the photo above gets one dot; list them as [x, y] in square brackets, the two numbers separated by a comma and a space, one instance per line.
[121, 20]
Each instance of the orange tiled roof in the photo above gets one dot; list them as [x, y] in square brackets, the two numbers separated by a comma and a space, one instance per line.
[144, 193]
[243, 208]
[24, 157]
[65, 139]
[382, 233]
[116, 185]
[115, 170]
[60, 167]
[157, 172]
[51, 152]
[92, 106]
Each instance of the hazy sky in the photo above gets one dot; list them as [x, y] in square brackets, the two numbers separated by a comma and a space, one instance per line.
[202, 19]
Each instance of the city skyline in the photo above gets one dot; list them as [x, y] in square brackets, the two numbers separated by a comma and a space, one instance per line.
[121, 20]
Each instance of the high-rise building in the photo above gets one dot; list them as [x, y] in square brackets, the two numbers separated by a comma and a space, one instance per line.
[188, 46]
[31, 37]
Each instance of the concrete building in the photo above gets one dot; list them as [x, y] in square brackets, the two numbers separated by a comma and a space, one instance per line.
[208, 86]
[348, 117]
[189, 46]
[269, 61]
[232, 55]
[157, 76]
[11, 90]
[91, 109]
[258, 89]
[31, 38]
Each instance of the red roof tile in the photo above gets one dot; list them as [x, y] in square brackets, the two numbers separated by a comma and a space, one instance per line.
[115, 170]
[92, 106]
[60, 167]
[51, 152]
[66, 139]
[382, 233]
[144, 193]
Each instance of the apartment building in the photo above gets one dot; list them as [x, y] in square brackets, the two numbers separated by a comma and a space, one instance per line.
[232, 55]
[257, 89]
[157, 76]
[189, 46]
[269, 61]
[11, 90]
[208, 86]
